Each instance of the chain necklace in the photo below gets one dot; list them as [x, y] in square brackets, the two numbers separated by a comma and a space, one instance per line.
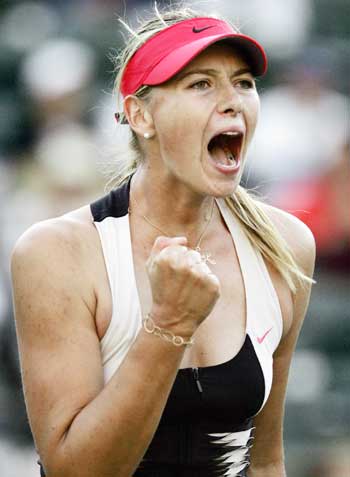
[206, 256]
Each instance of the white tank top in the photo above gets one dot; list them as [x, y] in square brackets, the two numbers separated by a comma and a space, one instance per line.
[263, 320]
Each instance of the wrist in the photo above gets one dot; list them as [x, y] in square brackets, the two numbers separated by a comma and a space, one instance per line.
[177, 340]
[174, 321]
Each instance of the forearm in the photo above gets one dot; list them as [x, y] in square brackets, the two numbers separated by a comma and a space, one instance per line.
[111, 434]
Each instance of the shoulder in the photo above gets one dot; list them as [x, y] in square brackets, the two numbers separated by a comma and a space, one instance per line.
[56, 241]
[301, 243]
[297, 235]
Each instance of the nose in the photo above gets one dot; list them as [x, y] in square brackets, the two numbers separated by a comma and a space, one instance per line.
[229, 101]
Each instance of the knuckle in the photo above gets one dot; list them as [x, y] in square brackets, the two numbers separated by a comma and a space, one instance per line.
[217, 289]
[164, 254]
[194, 255]
[195, 273]
[214, 283]
[160, 240]
[166, 260]
[160, 261]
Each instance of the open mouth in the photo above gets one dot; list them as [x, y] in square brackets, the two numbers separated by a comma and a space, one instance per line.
[225, 148]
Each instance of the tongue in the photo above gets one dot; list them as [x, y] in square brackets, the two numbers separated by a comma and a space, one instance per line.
[222, 156]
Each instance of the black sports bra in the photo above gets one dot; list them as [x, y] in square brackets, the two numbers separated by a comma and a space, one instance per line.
[206, 427]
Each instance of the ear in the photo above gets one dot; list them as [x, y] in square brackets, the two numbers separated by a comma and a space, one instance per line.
[139, 118]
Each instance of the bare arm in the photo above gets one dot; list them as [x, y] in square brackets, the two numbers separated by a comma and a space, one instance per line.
[81, 427]
[267, 459]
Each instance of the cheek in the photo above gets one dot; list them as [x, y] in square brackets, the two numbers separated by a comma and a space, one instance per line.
[178, 126]
[252, 114]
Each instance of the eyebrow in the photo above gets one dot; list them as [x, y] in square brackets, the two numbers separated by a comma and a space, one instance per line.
[211, 72]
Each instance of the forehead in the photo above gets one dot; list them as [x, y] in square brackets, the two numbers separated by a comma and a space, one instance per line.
[221, 54]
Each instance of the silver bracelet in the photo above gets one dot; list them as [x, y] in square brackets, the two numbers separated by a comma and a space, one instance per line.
[150, 327]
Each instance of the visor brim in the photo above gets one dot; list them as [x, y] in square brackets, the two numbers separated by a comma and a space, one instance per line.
[171, 64]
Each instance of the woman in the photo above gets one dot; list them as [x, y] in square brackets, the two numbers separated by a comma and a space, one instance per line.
[158, 325]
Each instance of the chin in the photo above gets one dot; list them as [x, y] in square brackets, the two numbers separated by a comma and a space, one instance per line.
[222, 188]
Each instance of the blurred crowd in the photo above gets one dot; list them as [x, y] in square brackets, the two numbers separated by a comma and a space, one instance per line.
[58, 138]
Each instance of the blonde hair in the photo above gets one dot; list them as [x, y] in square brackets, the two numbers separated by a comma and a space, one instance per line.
[248, 209]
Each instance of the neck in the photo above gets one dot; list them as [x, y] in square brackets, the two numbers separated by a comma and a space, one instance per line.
[170, 205]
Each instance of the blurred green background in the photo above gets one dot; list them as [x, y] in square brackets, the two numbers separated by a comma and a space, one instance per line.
[58, 138]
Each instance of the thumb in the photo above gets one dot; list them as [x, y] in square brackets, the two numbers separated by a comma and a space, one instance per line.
[163, 242]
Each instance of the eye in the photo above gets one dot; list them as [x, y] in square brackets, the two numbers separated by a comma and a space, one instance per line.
[247, 83]
[202, 84]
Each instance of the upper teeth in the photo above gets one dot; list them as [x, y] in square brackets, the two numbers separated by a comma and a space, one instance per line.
[231, 133]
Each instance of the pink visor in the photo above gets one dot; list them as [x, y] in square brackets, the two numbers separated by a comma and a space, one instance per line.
[167, 52]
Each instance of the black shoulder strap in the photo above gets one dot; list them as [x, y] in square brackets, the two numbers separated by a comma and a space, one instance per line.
[114, 204]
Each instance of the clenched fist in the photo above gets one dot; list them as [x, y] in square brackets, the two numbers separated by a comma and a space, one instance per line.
[184, 289]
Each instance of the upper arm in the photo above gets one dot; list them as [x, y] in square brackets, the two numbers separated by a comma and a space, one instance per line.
[58, 345]
[268, 443]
